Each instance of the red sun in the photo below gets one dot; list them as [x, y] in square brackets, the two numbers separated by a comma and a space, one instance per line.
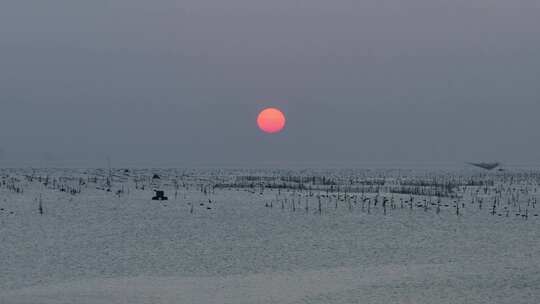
[271, 120]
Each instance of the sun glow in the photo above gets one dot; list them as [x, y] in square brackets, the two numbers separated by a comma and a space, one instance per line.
[271, 120]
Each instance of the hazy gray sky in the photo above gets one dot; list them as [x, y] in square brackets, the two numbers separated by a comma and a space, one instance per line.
[182, 81]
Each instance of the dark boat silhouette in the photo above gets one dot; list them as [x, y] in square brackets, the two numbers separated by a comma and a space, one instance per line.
[487, 166]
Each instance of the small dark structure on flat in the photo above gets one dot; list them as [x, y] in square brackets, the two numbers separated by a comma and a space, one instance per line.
[487, 166]
[160, 196]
